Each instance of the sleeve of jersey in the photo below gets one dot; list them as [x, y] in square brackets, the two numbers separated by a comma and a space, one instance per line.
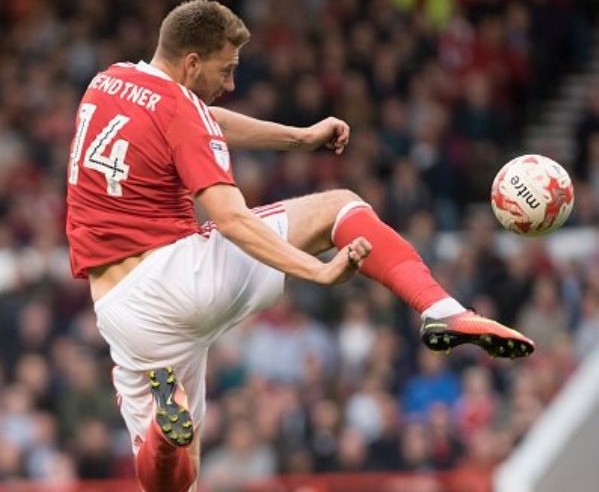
[199, 150]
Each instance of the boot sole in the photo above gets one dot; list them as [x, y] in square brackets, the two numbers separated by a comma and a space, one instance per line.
[173, 419]
[442, 339]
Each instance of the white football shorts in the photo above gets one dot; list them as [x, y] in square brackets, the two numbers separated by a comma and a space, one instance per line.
[169, 309]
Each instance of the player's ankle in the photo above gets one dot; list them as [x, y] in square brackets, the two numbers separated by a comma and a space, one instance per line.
[443, 309]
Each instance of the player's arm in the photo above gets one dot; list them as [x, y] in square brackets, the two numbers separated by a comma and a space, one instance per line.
[226, 207]
[245, 132]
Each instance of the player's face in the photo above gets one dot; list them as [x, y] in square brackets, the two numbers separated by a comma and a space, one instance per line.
[214, 75]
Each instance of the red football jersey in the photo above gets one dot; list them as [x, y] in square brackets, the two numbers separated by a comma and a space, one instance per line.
[143, 147]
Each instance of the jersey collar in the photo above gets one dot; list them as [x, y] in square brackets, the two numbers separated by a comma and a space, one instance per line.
[142, 66]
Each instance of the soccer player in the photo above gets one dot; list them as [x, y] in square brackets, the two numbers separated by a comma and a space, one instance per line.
[146, 146]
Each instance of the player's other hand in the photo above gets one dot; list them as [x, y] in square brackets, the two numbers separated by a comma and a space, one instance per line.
[346, 262]
[331, 132]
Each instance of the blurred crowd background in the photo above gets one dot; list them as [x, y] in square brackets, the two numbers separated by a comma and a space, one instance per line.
[332, 379]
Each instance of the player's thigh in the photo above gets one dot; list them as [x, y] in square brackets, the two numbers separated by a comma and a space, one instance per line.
[311, 218]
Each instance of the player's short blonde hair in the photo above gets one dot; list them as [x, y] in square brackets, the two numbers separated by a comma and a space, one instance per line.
[202, 27]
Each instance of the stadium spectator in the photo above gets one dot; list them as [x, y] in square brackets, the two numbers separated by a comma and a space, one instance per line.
[435, 382]
[240, 459]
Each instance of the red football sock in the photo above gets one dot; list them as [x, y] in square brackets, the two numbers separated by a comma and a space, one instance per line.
[162, 467]
[393, 261]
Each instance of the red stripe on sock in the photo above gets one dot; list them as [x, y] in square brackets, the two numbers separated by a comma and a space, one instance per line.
[393, 261]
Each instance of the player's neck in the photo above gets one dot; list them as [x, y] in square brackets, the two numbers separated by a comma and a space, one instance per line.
[167, 68]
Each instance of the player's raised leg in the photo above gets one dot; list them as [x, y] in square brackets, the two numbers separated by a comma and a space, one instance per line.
[163, 462]
[334, 218]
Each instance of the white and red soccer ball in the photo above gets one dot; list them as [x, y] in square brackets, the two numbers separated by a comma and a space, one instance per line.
[532, 195]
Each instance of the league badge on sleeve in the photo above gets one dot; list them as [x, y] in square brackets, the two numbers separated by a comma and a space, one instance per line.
[221, 154]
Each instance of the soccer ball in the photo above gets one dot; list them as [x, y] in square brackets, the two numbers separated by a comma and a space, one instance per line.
[532, 195]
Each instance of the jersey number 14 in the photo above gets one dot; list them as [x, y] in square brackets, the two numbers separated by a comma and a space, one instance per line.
[112, 166]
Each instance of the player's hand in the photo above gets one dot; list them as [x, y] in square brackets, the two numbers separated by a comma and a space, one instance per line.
[331, 132]
[346, 262]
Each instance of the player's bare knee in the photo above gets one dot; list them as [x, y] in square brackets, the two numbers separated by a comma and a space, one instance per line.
[333, 202]
[312, 217]
[342, 197]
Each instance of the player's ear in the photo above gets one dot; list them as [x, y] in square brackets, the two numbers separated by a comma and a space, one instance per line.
[193, 63]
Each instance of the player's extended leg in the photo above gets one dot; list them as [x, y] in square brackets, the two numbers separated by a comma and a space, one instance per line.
[163, 462]
[334, 218]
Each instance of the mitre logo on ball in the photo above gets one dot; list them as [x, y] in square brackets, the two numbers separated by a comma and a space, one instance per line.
[532, 195]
